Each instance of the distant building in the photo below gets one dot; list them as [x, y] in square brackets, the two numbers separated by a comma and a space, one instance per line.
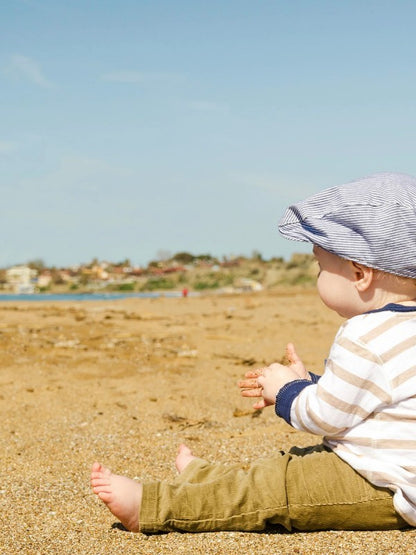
[247, 284]
[44, 279]
[21, 279]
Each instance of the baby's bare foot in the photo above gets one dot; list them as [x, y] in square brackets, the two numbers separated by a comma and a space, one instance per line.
[122, 496]
[184, 457]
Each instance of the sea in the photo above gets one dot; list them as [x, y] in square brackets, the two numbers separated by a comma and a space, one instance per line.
[52, 297]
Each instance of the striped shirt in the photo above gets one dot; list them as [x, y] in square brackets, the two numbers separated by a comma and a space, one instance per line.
[365, 403]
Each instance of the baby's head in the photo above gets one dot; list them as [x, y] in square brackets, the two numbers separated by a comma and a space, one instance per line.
[370, 222]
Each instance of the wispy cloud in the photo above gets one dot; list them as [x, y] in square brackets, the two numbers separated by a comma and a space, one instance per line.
[125, 77]
[132, 76]
[7, 147]
[78, 174]
[29, 69]
[208, 106]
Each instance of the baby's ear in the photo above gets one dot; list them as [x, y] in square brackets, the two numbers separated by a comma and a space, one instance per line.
[363, 276]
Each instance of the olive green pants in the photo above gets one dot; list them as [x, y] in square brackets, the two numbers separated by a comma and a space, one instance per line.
[305, 489]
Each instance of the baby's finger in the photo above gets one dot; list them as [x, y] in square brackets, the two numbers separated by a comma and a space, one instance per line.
[291, 354]
[254, 373]
[248, 384]
[259, 405]
[255, 392]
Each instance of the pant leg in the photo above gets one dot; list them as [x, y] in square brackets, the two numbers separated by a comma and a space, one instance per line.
[308, 489]
[210, 497]
[324, 492]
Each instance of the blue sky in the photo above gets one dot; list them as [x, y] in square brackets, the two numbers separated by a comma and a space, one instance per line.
[133, 127]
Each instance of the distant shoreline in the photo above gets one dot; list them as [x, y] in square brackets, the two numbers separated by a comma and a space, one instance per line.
[7, 297]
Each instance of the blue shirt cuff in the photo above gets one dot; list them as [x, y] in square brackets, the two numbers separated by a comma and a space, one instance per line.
[287, 394]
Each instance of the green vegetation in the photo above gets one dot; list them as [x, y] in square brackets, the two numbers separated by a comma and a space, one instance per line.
[201, 285]
[184, 258]
[160, 283]
[44, 289]
[212, 280]
[182, 270]
[126, 287]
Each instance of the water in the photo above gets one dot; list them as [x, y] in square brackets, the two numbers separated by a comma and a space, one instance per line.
[86, 296]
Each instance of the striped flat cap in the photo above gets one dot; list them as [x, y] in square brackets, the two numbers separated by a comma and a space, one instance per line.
[371, 221]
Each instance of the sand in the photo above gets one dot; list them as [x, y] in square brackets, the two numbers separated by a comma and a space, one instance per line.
[125, 382]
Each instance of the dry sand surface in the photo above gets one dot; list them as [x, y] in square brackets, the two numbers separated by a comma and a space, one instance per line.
[125, 382]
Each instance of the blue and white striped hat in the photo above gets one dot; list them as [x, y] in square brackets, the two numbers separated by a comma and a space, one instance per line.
[371, 221]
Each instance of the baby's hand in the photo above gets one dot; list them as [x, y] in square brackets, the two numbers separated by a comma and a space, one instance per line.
[295, 363]
[266, 382]
[251, 388]
[273, 379]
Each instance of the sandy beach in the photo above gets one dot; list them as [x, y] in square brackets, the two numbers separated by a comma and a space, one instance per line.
[125, 382]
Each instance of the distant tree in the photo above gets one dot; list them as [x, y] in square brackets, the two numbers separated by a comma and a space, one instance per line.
[205, 257]
[94, 262]
[153, 264]
[56, 276]
[84, 279]
[300, 260]
[184, 257]
[256, 255]
[37, 264]
[124, 263]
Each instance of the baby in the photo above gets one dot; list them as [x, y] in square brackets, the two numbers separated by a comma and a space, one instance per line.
[363, 474]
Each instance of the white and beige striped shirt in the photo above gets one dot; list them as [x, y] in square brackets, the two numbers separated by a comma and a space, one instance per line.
[365, 403]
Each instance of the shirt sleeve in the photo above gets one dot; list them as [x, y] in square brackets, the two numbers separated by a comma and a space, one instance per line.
[287, 394]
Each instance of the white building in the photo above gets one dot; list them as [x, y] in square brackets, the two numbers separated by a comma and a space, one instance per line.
[21, 278]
